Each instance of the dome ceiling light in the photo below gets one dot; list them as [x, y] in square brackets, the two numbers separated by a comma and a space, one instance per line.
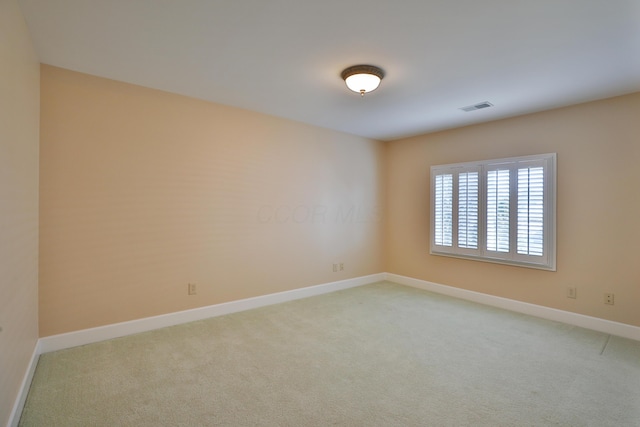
[362, 78]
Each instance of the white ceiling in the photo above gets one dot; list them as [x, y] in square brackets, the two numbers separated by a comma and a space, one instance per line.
[284, 57]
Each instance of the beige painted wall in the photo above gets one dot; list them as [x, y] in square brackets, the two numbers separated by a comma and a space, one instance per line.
[144, 191]
[19, 116]
[598, 209]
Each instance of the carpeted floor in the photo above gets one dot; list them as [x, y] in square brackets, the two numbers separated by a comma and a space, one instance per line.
[376, 355]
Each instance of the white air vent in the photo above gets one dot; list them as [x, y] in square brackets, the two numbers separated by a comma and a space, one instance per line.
[479, 106]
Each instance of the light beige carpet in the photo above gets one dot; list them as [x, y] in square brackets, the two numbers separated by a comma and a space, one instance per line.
[377, 355]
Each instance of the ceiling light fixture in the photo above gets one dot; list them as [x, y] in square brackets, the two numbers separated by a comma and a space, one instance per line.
[362, 78]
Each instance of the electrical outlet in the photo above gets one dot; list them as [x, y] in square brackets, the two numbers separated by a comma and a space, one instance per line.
[608, 299]
[335, 268]
[341, 266]
[192, 289]
[571, 292]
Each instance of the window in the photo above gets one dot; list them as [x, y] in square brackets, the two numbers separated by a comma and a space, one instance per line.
[497, 210]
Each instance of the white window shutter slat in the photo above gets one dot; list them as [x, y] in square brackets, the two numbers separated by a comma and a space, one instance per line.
[531, 211]
[444, 210]
[468, 210]
[498, 210]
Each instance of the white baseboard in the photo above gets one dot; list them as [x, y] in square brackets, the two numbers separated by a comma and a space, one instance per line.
[101, 333]
[588, 322]
[16, 412]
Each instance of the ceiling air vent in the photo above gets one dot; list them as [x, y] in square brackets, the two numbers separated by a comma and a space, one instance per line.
[479, 106]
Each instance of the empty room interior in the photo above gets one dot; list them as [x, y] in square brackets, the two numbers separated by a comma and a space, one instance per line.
[205, 219]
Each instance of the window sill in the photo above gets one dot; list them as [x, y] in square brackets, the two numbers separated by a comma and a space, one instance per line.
[547, 267]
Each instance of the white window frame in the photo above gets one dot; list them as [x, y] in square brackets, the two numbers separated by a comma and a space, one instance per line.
[547, 259]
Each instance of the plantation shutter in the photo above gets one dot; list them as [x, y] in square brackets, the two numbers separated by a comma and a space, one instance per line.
[531, 211]
[498, 210]
[468, 210]
[443, 201]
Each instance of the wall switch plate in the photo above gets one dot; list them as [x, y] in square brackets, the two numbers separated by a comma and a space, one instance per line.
[571, 292]
[192, 289]
[335, 268]
[341, 266]
[608, 299]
